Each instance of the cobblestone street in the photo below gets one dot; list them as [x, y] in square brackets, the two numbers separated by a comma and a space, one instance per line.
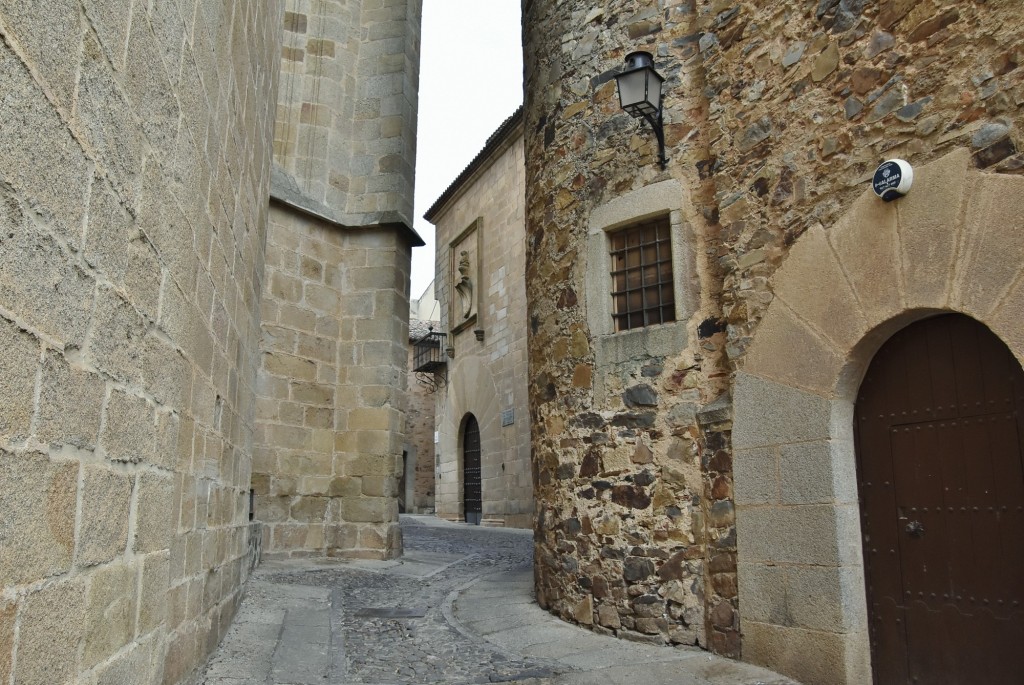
[457, 608]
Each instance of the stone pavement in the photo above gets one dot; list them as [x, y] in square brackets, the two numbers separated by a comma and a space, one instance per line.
[457, 608]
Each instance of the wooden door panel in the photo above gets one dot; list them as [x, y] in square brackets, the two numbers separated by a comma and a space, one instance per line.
[471, 467]
[938, 430]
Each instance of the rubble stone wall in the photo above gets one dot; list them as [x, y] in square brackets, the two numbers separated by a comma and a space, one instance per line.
[634, 527]
[776, 115]
[134, 171]
[419, 436]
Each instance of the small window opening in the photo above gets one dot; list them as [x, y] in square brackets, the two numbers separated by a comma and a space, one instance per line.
[642, 289]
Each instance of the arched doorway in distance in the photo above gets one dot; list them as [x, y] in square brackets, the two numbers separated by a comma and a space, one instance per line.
[472, 491]
[938, 425]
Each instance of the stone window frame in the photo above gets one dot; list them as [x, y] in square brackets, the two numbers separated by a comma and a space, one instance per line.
[639, 240]
[472, 234]
[657, 340]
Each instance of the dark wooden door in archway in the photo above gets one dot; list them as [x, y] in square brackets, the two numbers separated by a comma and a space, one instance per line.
[939, 436]
[471, 487]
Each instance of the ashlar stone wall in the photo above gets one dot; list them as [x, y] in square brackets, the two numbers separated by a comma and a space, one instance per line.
[134, 168]
[336, 297]
[330, 425]
[486, 371]
[346, 120]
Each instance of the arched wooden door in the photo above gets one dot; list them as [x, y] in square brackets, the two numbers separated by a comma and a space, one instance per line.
[939, 432]
[472, 496]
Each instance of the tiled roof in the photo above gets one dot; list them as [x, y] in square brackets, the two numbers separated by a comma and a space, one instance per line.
[493, 143]
[419, 328]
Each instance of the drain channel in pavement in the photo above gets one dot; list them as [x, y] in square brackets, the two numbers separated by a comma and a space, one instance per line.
[392, 612]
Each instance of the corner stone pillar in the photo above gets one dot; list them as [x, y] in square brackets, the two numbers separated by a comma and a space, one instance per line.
[332, 385]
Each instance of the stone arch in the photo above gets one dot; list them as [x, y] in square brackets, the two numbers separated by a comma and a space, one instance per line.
[471, 389]
[955, 243]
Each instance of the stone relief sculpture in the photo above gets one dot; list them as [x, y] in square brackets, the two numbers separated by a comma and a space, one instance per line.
[465, 287]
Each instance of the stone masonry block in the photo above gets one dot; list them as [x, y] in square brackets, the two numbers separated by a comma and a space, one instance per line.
[110, 19]
[50, 33]
[812, 534]
[50, 633]
[119, 333]
[762, 591]
[42, 162]
[148, 87]
[106, 500]
[756, 476]
[815, 369]
[370, 465]
[298, 318]
[376, 442]
[141, 664]
[312, 393]
[991, 228]
[110, 612]
[19, 358]
[366, 510]
[818, 472]
[288, 366]
[8, 612]
[812, 283]
[380, 486]
[168, 431]
[322, 299]
[42, 286]
[309, 509]
[370, 419]
[839, 659]
[128, 429]
[153, 524]
[1005, 321]
[37, 525]
[153, 592]
[866, 243]
[70, 404]
[107, 121]
[109, 230]
[770, 413]
[167, 228]
[826, 598]
[929, 228]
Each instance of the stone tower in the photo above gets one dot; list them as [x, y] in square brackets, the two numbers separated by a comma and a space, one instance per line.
[332, 380]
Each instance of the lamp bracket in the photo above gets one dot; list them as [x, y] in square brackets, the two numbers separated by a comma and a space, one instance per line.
[659, 132]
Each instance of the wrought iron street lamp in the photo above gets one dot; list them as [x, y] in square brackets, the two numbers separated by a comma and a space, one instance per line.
[640, 94]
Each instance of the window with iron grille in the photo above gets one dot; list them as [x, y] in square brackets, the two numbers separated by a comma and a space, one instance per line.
[641, 269]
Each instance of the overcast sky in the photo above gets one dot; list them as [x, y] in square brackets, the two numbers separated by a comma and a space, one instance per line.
[471, 80]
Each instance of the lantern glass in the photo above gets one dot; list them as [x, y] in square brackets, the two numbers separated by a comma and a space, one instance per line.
[640, 86]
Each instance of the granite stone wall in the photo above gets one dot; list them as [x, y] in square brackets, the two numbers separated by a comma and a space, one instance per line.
[330, 421]
[776, 115]
[134, 171]
[346, 119]
[336, 298]
[487, 363]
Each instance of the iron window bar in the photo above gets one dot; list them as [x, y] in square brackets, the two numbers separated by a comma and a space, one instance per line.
[642, 286]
